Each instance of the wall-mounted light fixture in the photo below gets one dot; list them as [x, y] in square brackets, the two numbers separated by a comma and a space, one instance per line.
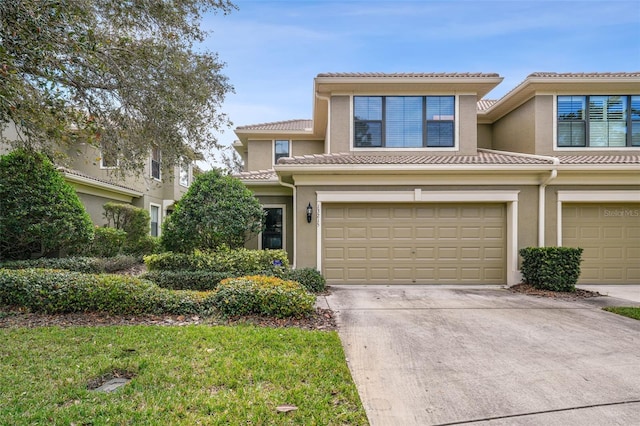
[309, 213]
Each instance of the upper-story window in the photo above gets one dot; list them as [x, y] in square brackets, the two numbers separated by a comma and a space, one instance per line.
[404, 121]
[108, 157]
[598, 121]
[155, 163]
[281, 148]
[185, 174]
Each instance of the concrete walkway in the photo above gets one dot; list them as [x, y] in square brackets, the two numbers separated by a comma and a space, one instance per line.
[430, 355]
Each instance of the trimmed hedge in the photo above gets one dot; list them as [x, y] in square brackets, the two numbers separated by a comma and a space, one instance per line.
[89, 265]
[107, 242]
[263, 295]
[551, 268]
[237, 261]
[55, 291]
[309, 278]
[187, 280]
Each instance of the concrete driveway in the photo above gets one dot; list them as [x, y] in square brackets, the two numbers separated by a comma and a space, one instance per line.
[431, 355]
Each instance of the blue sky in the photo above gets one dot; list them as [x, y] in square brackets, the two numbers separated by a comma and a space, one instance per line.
[274, 49]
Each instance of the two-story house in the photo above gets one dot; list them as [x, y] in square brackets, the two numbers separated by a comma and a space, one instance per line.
[415, 178]
[94, 175]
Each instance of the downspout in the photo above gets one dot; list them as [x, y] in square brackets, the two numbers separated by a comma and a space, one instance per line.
[542, 200]
[295, 218]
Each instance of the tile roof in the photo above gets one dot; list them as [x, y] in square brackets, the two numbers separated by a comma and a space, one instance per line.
[405, 75]
[257, 175]
[353, 159]
[485, 104]
[599, 159]
[93, 178]
[585, 74]
[294, 125]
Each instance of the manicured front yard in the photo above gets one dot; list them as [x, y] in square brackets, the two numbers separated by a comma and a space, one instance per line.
[182, 375]
[631, 312]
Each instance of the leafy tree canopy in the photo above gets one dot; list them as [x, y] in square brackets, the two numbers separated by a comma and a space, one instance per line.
[217, 210]
[124, 75]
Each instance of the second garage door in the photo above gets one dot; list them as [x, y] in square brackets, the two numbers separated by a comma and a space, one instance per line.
[414, 244]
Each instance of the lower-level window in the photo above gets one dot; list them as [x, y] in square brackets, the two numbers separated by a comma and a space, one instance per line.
[154, 212]
[273, 234]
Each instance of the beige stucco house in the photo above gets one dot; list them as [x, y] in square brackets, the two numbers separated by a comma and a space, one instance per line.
[416, 178]
[96, 180]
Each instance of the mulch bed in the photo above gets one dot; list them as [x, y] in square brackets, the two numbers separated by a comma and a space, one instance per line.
[10, 317]
[572, 295]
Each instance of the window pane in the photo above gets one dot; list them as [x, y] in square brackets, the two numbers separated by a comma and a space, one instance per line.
[281, 150]
[440, 134]
[635, 133]
[155, 215]
[571, 134]
[571, 107]
[635, 108]
[368, 107]
[403, 122]
[272, 234]
[368, 133]
[440, 108]
[617, 133]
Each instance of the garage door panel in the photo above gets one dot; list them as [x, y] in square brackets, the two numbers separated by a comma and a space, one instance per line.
[609, 237]
[407, 244]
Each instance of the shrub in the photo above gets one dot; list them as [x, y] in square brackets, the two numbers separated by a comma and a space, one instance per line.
[187, 280]
[145, 245]
[309, 278]
[91, 265]
[54, 291]
[551, 268]
[239, 262]
[262, 295]
[132, 220]
[107, 242]
[40, 214]
[216, 210]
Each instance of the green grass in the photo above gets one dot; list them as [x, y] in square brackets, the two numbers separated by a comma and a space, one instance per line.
[183, 376]
[631, 312]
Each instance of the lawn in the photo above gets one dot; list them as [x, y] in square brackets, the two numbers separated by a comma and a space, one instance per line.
[631, 312]
[182, 375]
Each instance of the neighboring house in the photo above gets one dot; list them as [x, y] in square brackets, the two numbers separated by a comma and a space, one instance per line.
[415, 178]
[96, 180]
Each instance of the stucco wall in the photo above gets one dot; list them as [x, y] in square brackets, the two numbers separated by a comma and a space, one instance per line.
[260, 155]
[516, 131]
[340, 124]
[467, 124]
[485, 136]
[299, 147]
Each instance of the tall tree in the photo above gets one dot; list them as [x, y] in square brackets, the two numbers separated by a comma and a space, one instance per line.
[126, 75]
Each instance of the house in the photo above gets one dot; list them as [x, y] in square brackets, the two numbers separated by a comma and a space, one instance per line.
[95, 178]
[417, 179]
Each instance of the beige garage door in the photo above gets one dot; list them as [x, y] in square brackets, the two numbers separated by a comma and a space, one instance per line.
[414, 244]
[610, 237]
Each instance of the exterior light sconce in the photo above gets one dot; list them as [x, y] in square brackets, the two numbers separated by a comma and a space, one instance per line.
[309, 213]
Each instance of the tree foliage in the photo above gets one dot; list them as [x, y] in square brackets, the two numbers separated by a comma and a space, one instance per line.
[216, 210]
[124, 75]
[39, 212]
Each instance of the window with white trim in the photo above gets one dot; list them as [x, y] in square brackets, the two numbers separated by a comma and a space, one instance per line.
[185, 174]
[155, 163]
[272, 236]
[154, 212]
[404, 121]
[281, 148]
[598, 121]
[108, 157]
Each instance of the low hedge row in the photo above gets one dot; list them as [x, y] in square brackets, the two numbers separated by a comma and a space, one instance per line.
[551, 268]
[263, 295]
[237, 261]
[56, 291]
[89, 265]
[309, 278]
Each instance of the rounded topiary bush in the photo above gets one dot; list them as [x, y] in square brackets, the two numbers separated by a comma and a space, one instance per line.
[309, 278]
[262, 295]
[40, 214]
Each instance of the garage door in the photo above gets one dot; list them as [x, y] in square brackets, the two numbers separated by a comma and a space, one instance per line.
[610, 237]
[414, 244]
